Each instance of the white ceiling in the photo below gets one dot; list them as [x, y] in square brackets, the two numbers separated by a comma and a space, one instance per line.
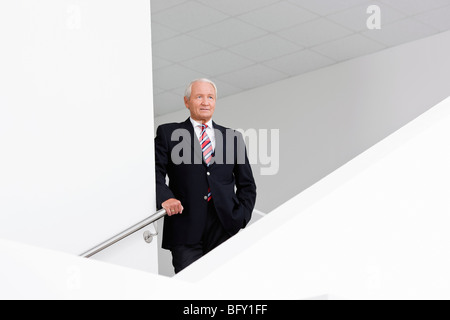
[244, 44]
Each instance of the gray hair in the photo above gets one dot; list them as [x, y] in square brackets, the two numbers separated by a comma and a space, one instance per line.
[188, 91]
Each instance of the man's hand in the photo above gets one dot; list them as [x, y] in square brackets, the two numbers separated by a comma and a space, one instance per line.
[173, 206]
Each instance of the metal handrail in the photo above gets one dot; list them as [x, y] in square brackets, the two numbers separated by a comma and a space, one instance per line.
[155, 217]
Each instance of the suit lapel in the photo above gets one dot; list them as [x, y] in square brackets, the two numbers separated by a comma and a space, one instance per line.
[220, 150]
[219, 155]
[197, 155]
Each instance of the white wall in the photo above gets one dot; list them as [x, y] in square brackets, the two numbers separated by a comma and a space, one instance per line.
[329, 116]
[76, 124]
[376, 228]
[401, 251]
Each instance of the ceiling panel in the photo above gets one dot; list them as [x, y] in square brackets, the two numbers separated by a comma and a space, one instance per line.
[159, 5]
[299, 62]
[326, 7]
[218, 63]
[355, 18]
[225, 89]
[278, 16]
[181, 48]
[159, 63]
[174, 76]
[439, 18]
[160, 33]
[188, 16]
[266, 48]
[228, 33]
[413, 7]
[244, 44]
[401, 32]
[252, 77]
[315, 32]
[237, 7]
[350, 47]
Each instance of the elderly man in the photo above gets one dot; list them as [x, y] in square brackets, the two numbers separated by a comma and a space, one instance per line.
[211, 193]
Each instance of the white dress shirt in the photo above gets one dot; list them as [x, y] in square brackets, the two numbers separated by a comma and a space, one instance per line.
[209, 131]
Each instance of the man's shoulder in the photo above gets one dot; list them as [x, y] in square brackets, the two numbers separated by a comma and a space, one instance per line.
[172, 126]
[227, 131]
[223, 128]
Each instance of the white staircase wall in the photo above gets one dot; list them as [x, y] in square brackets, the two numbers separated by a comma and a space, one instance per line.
[76, 125]
[377, 228]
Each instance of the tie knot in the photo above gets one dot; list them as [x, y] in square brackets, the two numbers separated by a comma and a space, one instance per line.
[204, 126]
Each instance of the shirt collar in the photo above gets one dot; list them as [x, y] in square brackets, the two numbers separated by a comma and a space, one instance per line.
[198, 124]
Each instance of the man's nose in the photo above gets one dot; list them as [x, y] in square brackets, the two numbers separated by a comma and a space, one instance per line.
[205, 102]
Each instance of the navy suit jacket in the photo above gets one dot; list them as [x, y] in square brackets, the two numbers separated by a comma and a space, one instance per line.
[178, 156]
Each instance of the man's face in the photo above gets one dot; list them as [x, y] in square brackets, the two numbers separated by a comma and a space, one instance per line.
[202, 102]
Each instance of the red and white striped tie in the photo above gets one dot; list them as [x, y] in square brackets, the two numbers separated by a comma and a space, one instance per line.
[207, 150]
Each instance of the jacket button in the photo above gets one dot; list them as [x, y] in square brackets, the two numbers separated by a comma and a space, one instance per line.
[208, 173]
[205, 197]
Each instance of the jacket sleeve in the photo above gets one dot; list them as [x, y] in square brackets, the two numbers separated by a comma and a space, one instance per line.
[162, 159]
[245, 182]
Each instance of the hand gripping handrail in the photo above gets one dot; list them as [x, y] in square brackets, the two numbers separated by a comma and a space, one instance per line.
[153, 218]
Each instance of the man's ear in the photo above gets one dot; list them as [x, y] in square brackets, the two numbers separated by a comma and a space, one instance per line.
[186, 100]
